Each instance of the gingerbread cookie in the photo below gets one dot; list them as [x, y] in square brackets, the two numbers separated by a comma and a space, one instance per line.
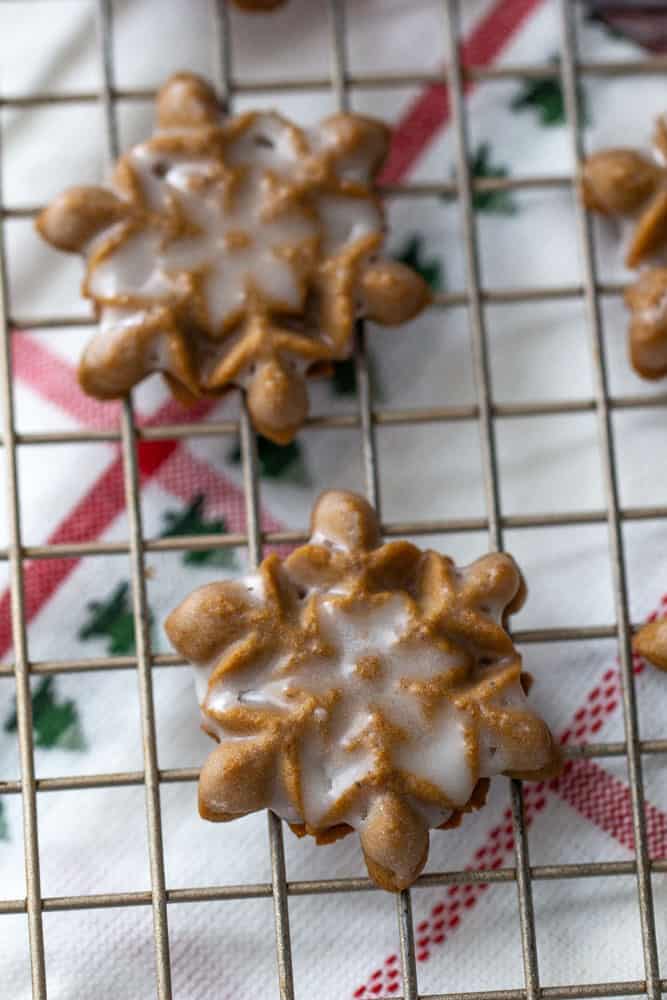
[233, 251]
[361, 686]
[651, 643]
[628, 183]
[647, 301]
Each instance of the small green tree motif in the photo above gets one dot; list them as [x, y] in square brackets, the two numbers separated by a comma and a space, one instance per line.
[494, 202]
[344, 378]
[55, 723]
[112, 619]
[276, 461]
[192, 521]
[412, 254]
[546, 98]
[4, 825]
[481, 166]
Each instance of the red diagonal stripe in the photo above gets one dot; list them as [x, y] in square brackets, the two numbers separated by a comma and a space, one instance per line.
[52, 377]
[184, 470]
[430, 112]
[91, 516]
[55, 380]
[98, 508]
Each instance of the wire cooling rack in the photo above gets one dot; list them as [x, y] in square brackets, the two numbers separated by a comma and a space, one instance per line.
[485, 411]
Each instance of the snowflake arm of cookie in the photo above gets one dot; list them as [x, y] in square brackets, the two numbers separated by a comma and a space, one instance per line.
[234, 252]
[361, 686]
[646, 300]
[627, 183]
[651, 643]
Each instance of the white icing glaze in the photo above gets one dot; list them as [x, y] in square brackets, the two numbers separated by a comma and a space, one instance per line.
[433, 747]
[148, 266]
[347, 220]
[142, 266]
[654, 314]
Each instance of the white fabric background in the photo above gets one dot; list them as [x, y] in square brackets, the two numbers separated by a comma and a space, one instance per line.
[95, 841]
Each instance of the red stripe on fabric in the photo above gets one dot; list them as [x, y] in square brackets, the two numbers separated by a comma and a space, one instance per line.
[55, 380]
[606, 802]
[600, 797]
[430, 111]
[184, 469]
[105, 500]
[152, 454]
[223, 496]
[98, 508]
[91, 516]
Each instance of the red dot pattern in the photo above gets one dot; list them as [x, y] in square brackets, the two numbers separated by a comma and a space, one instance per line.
[596, 794]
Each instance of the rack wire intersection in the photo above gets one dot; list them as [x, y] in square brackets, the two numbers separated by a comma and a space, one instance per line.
[341, 82]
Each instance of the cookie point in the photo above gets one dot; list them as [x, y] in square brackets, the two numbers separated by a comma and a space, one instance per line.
[235, 779]
[77, 215]
[393, 293]
[646, 300]
[395, 842]
[361, 137]
[651, 643]
[186, 101]
[618, 181]
[346, 519]
[208, 618]
[277, 401]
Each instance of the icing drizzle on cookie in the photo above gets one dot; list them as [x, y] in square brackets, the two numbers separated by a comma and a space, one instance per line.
[225, 245]
[373, 682]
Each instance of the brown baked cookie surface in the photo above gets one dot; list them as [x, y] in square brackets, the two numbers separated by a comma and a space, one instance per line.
[361, 686]
[628, 183]
[651, 643]
[233, 252]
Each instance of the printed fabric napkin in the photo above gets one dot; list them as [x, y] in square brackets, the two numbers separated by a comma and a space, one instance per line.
[94, 841]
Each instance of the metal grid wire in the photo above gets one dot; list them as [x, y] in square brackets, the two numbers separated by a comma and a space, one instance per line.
[485, 411]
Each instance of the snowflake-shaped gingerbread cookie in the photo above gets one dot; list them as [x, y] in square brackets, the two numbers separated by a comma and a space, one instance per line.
[361, 686]
[629, 184]
[233, 251]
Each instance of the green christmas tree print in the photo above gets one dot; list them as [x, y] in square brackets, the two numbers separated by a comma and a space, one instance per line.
[481, 166]
[55, 723]
[344, 378]
[4, 826]
[192, 521]
[494, 202]
[112, 619]
[546, 98]
[430, 268]
[276, 461]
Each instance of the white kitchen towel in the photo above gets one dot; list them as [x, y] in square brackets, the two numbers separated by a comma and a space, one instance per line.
[95, 841]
